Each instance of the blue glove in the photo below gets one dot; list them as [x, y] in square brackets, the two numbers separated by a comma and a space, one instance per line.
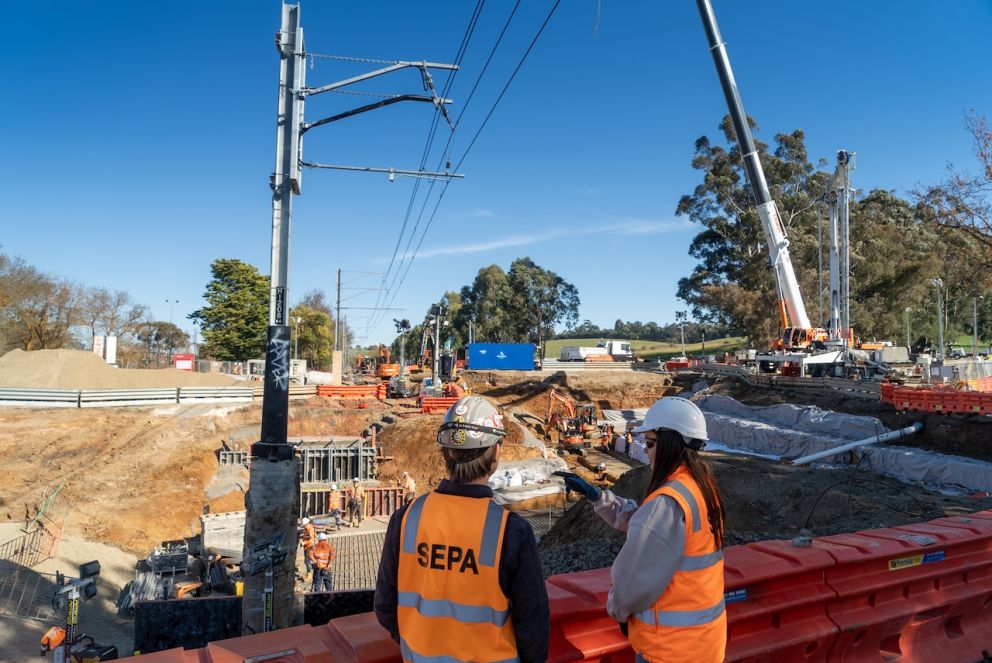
[577, 484]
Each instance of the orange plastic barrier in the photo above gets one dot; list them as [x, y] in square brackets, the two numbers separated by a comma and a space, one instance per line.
[776, 602]
[916, 593]
[946, 400]
[432, 405]
[352, 391]
[919, 592]
[675, 365]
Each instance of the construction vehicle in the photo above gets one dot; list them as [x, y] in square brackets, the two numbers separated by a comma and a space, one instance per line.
[399, 387]
[797, 332]
[572, 422]
[603, 351]
[384, 368]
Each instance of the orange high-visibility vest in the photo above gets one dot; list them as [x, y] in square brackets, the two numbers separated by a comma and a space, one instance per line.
[309, 536]
[688, 622]
[450, 604]
[53, 637]
[323, 554]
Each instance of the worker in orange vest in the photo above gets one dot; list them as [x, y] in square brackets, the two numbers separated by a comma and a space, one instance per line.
[459, 577]
[322, 556]
[52, 640]
[667, 589]
[308, 536]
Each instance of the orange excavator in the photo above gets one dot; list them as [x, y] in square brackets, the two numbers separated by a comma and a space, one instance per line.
[385, 369]
[571, 420]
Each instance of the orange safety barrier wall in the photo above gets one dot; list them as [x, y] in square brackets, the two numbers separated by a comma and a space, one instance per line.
[675, 365]
[916, 593]
[945, 400]
[352, 391]
[432, 405]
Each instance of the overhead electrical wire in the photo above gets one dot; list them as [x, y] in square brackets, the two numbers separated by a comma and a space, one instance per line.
[459, 56]
[430, 190]
[485, 121]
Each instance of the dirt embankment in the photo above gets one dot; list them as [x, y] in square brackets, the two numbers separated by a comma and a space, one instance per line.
[139, 476]
[412, 443]
[763, 500]
[78, 369]
[609, 390]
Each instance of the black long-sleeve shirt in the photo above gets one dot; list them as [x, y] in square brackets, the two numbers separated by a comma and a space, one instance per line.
[520, 578]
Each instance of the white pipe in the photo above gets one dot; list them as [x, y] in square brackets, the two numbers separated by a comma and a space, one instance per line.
[902, 432]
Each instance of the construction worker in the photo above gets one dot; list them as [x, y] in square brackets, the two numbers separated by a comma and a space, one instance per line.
[667, 589]
[322, 555]
[334, 502]
[308, 536]
[459, 577]
[409, 487]
[357, 503]
[52, 640]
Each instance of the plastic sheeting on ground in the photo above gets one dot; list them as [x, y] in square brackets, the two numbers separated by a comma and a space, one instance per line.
[791, 431]
[519, 480]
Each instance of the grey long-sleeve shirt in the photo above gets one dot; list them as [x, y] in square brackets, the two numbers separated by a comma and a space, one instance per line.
[651, 554]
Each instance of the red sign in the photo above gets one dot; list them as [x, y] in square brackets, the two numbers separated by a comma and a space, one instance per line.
[183, 362]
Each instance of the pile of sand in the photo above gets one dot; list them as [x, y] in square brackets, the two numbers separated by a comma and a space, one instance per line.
[78, 369]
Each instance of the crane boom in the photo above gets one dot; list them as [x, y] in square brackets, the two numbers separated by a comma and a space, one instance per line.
[778, 242]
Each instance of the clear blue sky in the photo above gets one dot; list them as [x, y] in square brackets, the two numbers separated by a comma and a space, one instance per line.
[137, 138]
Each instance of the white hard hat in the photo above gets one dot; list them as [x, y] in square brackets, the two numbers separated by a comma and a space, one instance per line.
[322, 537]
[404, 474]
[355, 480]
[306, 521]
[334, 486]
[677, 414]
[471, 423]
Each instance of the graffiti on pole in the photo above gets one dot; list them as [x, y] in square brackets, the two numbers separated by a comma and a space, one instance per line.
[265, 556]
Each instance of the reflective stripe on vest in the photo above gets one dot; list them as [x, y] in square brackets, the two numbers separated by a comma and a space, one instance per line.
[473, 614]
[410, 655]
[686, 494]
[681, 617]
[697, 562]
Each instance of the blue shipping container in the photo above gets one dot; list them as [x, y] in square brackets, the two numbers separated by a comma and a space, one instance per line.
[501, 356]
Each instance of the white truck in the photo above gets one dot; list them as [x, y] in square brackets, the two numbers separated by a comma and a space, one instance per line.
[603, 351]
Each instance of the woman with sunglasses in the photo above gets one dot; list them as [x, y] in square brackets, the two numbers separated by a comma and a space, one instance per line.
[667, 589]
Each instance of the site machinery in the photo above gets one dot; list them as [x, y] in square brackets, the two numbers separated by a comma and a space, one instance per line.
[798, 333]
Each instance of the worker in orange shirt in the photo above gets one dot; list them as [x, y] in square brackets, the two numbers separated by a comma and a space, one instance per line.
[308, 537]
[460, 577]
[322, 555]
[667, 589]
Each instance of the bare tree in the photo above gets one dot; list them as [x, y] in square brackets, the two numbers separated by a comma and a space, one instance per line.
[963, 202]
[110, 312]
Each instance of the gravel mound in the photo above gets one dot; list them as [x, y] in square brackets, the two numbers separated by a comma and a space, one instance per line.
[79, 369]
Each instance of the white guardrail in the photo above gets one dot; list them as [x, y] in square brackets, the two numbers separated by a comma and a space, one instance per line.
[86, 398]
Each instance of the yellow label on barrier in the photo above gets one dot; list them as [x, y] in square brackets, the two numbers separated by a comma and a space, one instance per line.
[915, 560]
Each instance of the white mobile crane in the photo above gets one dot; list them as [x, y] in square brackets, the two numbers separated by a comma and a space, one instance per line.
[797, 332]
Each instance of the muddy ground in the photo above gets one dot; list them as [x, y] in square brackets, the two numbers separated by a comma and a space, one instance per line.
[763, 500]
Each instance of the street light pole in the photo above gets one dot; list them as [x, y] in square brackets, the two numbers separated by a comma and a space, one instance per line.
[296, 338]
[909, 338]
[937, 283]
[680, 317]
[171, 303]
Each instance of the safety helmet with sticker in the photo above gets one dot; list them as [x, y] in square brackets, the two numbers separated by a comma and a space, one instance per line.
[471, 423]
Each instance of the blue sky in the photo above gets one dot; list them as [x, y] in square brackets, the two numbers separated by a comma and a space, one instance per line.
[137, 138]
